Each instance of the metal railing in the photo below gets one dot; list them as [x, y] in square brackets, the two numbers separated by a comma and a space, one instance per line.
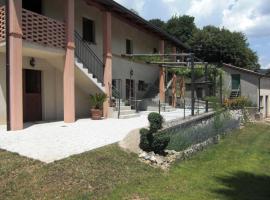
[89, 59]
[116, 95]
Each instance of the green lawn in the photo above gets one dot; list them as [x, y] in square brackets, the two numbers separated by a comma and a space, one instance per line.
[236, 169]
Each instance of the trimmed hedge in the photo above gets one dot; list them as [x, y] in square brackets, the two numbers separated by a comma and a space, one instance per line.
[151, 139]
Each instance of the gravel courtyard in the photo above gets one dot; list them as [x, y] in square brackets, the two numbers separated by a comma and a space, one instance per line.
[49, 142]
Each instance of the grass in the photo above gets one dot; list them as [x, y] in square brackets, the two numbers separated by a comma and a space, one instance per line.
[236, 169]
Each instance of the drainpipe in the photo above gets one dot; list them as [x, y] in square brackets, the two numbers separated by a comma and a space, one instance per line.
[259, 109]
[7, 67]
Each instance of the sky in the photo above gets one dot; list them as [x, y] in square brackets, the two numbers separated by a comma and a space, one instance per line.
[251, 17]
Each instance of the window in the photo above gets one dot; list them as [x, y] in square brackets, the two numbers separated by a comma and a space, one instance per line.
[155, 51]
[89, 30]
[129, 46]
[34, 6]
[142, 86]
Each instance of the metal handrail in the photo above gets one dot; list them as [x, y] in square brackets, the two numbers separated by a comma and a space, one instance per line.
[88, 57]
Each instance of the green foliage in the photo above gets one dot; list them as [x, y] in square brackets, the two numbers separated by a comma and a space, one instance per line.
[214, 103]
[215, 44]
[158, 23]
[155, 121]
[182, 138]
[97, 100]
[160, 142]
[237, 103]
[212, 44]
[151, 139]
[182, 27]
[146, 140]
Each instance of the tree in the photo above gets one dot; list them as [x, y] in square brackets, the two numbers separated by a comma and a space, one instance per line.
[182, 27]
[211, 43]
[221, 45]
[158, 23]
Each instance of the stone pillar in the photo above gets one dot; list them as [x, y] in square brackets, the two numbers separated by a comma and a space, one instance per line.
[174, 98]
[107, 58]
[162, 74]
[15, 60]
[69, 79]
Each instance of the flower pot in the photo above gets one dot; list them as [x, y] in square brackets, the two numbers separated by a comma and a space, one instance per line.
[96, 114]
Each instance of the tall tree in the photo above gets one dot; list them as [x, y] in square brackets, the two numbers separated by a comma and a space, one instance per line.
[182, 27]
[158, 23]
[221, 45]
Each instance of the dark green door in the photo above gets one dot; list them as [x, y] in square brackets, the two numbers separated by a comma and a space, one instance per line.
[235, 81]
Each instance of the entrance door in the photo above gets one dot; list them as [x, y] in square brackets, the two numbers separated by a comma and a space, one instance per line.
[235, 81]
[130, 89]
[32, 106]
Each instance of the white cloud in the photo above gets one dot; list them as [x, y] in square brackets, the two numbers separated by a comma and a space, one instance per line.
[137, 5]
[249, 16]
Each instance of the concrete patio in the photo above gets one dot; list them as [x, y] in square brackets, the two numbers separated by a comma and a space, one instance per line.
[49, 142]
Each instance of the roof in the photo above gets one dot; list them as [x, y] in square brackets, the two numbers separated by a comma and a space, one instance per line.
[136, 19]
[256, 73]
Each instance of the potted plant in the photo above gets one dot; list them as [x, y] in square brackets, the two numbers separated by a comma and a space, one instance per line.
[97, 101]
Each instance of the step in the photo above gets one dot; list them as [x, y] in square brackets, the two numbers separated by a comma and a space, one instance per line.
[162, 109]
[123, 108]
[127, 112]
[129, 116]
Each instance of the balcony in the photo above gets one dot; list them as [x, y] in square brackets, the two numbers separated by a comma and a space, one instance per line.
[38, 29]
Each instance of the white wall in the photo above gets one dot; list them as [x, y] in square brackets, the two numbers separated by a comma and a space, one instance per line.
[143, 42]
[144, 72]
[249, 84]
[265, 91]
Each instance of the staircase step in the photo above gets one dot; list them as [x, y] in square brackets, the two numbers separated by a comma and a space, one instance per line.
[127, 112]
[122, 108]
[129, 116]
[162, 109]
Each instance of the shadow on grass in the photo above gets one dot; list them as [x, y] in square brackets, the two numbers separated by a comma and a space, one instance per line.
[245, 186]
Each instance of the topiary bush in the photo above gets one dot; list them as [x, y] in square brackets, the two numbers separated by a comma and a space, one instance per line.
[160, 142]
[146, 140]
[151, 139]
[155, 121]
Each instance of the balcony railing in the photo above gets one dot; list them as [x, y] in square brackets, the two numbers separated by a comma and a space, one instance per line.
[38, 29]
[2, 24]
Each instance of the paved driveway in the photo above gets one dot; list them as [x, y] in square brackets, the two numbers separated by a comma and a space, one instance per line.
[49, 142]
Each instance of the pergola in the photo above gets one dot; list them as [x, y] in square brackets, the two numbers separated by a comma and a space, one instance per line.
[187, 60]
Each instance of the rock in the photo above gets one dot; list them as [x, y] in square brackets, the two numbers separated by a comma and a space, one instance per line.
[143, 154]
[159, 160]
[153, 159]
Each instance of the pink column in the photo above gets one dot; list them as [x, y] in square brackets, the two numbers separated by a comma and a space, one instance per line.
[162, 74]
[174, 52]
[15, 59]
[107, 53]
[69, 80]
[174, 91]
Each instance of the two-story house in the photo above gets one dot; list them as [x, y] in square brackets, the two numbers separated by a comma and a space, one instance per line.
[54, 54]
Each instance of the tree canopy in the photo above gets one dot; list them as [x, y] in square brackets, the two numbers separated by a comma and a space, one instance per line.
[213, 44]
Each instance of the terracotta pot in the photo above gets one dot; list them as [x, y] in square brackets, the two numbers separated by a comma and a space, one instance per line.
[96, 114]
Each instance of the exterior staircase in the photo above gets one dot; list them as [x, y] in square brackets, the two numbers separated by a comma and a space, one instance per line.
[150, 101]
[87, 63]
[123, 111]
[234, 94]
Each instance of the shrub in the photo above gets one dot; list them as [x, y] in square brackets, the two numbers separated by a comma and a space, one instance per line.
[146, 140]
[160, 142]
[237, 103]
[155, 121]
[150, 139]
